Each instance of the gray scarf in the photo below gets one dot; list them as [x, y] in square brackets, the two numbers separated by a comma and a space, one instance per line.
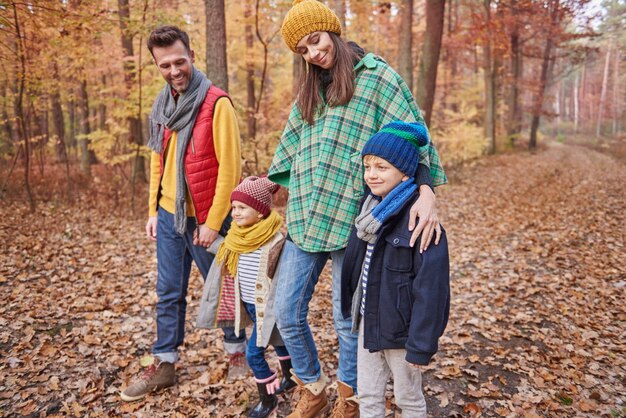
[179, 117]
[366, 226]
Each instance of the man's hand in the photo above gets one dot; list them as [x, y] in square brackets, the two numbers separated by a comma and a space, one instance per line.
[425, 211]
[151, 228]
[204, 236]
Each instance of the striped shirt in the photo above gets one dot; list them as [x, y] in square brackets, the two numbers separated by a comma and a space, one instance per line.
[248, 270]
[364, 273]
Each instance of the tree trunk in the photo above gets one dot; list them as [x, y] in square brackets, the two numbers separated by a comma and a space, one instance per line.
[84, 129]
[9, 126]
[297, 68]
[545, 63]
[71, 136]
[490, 86]
[429, 61]
[576, 104]
[515, 112]
[59, 130]
[617, 108]
[134, 121]
[20, 65]
[339, 7]
[216, 60]
[582, 93]
[102, 108]
[251, 98]
[605, 82]
[454, 62]
[405, 51]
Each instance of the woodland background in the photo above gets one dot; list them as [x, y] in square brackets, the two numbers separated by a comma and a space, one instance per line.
[525, 102]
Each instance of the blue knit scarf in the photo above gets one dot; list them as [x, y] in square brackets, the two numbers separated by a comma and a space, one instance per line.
[375, 212]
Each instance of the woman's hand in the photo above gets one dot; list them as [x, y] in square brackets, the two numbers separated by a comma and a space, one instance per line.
[426, 211]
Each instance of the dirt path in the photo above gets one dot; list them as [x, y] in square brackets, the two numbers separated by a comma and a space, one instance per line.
[537, 324]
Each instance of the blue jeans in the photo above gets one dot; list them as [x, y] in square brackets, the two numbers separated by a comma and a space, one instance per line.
[174, 256]
[256, 355]
[298, 273]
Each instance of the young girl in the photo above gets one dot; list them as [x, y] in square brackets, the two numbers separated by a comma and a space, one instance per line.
[243, 279]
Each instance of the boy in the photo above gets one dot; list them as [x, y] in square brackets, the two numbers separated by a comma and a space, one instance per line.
[397, 297]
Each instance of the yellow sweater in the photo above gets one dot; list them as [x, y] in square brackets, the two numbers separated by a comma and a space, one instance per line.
[228, 152]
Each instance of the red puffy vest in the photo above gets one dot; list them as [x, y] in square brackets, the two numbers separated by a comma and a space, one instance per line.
[201, 165]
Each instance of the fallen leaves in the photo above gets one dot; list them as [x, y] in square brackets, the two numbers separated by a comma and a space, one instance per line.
[537, 319]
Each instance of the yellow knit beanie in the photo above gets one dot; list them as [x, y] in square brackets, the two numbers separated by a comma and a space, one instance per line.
[305, 17]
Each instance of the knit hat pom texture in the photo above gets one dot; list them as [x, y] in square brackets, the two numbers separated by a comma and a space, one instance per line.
[256, 192]
[399, 143]
[306, 17]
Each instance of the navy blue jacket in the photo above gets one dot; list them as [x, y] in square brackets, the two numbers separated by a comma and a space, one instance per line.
[408, 293]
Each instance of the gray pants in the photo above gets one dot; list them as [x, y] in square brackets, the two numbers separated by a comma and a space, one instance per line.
[373, 371]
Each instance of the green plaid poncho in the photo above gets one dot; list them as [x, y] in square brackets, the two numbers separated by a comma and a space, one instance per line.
[321, 163]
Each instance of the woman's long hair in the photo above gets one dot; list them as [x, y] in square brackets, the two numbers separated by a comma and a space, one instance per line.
[341, 87]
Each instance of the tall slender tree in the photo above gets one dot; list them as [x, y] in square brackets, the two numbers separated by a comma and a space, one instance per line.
[405, 41]
[537, 109]
[514, 125]
[429, 61]
[20, 64]
[216, 59]
[133, 119]
[489, 69]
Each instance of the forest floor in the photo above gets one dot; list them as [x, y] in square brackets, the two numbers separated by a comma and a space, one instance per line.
[537, 323]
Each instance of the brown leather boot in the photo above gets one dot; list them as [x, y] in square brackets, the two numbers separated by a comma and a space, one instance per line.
[158, 375]
[313, 401]
[347, 404]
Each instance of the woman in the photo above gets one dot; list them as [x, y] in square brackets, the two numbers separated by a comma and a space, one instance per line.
[345, 96]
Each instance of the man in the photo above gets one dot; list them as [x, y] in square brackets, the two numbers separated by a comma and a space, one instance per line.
[195, 165]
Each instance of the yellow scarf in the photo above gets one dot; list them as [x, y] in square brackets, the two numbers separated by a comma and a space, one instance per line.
[246, 240]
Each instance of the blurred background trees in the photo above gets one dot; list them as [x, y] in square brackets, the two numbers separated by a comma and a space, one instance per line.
[78, 82]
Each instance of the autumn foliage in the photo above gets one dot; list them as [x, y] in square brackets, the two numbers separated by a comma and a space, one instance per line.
[536, 239]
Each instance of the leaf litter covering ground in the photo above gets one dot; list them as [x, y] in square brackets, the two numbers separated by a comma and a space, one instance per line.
[536, 327]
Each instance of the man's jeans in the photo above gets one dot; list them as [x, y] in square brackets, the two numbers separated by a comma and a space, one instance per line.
[255, 355]
[298, 273]
[174, 256]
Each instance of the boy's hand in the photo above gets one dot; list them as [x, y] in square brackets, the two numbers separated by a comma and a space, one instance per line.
[426, 211]
[415, 366]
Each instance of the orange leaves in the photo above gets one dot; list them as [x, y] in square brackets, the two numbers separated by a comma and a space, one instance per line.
[536, 326]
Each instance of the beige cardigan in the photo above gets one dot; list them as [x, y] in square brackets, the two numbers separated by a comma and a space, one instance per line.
[264, 295]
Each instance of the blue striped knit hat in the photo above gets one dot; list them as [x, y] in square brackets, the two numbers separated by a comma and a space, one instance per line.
[398, 142]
